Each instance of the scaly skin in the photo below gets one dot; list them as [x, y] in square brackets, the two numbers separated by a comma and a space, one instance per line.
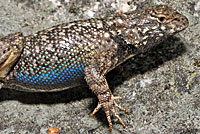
[63, 56]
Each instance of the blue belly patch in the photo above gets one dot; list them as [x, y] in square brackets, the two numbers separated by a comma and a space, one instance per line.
[47, 76]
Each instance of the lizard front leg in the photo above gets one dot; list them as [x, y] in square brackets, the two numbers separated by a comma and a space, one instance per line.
[95, 78]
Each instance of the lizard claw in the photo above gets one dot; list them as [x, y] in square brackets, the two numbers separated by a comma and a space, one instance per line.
[109, 106]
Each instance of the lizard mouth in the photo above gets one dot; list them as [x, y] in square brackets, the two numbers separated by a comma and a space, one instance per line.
[178, 24]
[181, 23]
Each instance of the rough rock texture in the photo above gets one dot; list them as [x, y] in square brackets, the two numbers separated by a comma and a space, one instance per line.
[160, 88]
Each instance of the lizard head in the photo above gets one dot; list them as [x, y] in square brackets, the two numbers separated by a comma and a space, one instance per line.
[149, 27]
[166, 19]
[10, 50]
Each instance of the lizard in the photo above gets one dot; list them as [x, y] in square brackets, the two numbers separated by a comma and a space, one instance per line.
[69, 54]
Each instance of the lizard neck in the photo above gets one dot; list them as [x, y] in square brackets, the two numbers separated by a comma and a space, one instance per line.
[125, 50]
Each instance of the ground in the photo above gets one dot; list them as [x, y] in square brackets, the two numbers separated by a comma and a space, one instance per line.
[160, 88]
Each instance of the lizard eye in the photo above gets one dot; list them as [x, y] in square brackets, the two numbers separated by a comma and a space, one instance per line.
[161, 19]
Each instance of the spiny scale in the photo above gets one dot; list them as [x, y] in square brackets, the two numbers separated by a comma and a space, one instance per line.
[63, 56]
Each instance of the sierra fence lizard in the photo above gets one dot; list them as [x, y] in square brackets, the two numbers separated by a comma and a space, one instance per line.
[63, 56]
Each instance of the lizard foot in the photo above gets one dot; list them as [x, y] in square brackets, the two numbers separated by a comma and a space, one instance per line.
[109, 106]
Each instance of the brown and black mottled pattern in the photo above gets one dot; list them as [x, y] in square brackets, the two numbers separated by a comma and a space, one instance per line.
[63, 56]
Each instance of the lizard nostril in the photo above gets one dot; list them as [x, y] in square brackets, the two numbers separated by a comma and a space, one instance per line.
[177, 19]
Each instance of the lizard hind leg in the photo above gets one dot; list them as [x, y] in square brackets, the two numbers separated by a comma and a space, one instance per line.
[99, 86]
